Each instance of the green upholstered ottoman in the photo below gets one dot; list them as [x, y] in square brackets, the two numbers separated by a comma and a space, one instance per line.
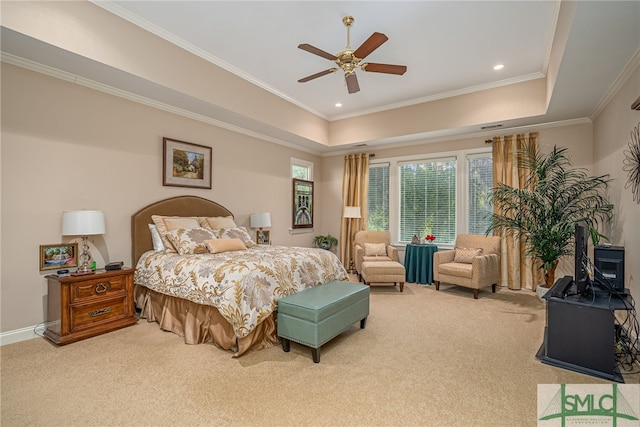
[316, 315]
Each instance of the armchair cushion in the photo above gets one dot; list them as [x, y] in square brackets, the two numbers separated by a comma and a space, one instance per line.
[465, 255]
[457, 269]
[375, 249]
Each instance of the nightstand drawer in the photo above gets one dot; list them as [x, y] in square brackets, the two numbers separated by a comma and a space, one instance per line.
[104, 287]
[87, 315]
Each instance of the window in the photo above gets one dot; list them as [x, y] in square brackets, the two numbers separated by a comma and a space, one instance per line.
[446, 194]
[378, 195]
[480, 169]
[301, 169]
[428, 199]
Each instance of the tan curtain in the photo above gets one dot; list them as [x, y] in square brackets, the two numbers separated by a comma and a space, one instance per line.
[517, 268]
[355, 182]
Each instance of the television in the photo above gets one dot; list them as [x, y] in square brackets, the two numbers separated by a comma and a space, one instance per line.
[581, 273]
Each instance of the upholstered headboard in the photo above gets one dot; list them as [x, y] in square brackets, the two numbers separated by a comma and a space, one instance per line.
[175, 206]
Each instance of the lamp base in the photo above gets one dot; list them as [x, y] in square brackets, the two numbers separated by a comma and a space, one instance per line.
[84, 269]
[85, 256]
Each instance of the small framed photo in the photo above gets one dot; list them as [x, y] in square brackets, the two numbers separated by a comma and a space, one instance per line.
[185, 164]
[263, 237]
[61, 255]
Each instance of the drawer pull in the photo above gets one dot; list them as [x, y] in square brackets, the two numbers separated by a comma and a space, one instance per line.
[100, 312]
[101, 288]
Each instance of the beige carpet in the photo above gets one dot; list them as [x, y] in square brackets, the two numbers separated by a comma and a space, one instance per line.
[425, 358]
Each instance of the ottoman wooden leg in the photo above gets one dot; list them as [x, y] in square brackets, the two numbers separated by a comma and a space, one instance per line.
[401, 286]
[363, 323]
[315, 352]
[286, 345]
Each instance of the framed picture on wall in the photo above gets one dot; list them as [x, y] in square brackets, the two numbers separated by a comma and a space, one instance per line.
[302, 203]
[185, 164]
[60, 255]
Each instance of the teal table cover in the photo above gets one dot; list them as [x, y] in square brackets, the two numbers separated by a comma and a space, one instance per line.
[418, 263]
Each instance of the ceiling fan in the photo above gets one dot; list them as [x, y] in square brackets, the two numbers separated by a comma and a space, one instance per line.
[349, 60]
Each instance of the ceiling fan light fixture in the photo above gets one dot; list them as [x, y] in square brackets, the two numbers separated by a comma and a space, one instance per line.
[348, 60]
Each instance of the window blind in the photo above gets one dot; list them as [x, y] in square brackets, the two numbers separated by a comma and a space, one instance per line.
[480, 183]
[428, 199]
[378, 197]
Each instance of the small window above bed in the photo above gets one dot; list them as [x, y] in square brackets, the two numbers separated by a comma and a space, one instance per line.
[301, 169]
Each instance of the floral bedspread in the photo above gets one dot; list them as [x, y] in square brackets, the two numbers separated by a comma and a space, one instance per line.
[243, 285]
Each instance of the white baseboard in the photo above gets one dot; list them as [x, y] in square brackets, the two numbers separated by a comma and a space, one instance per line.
[23, 334]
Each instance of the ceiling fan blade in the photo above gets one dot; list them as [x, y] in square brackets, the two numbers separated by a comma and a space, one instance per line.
[316, 75]
[316, 51]
[371, 44]
[352, 83]
[384, 68]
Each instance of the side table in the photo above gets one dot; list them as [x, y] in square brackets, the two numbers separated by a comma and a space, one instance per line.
[418, 263]
[80, 307]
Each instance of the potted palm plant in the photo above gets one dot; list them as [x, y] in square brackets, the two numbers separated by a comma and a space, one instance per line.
[325, 242]
[555, 198]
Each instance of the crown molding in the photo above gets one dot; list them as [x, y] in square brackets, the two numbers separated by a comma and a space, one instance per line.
[624, 76]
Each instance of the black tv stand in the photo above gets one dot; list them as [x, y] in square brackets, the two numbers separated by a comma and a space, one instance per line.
[580, 332]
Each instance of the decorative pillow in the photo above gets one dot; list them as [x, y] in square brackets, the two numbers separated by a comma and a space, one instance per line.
[375, 249]
[158, 246]
[236, 233]
[190, 241]
[465, 255]
[217, 246]
[217, 222]
[164, 224]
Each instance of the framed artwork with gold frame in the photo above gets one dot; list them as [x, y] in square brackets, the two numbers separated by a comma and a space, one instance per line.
[59, 255]
[185, 164]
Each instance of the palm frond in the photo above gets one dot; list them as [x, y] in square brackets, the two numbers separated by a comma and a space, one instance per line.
[555, 198]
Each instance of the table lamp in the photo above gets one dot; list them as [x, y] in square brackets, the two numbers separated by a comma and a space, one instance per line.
[84, 224]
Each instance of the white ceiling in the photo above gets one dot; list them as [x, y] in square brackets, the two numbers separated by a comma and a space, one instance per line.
[449, 48]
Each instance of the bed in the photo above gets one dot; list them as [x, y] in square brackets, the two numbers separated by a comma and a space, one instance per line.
[228, 298]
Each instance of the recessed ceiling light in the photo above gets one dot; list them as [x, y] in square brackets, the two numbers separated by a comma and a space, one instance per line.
[338, 104]
[498, 67]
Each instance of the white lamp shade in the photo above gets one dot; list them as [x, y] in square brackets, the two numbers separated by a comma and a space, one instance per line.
[261, 220]
[351, 212]
[82, 223]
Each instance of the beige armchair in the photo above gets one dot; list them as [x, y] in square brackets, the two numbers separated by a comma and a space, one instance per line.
[473, 263]
[363, 237]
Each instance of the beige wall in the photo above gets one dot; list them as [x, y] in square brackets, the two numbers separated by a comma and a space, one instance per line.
[67, 147]
[612, 133]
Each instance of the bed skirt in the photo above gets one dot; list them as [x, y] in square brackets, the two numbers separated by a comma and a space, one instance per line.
[199, 324]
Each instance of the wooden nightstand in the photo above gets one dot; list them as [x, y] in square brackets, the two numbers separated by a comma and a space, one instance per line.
[80, 307]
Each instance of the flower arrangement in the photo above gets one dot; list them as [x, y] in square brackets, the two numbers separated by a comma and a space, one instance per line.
[430, 238]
